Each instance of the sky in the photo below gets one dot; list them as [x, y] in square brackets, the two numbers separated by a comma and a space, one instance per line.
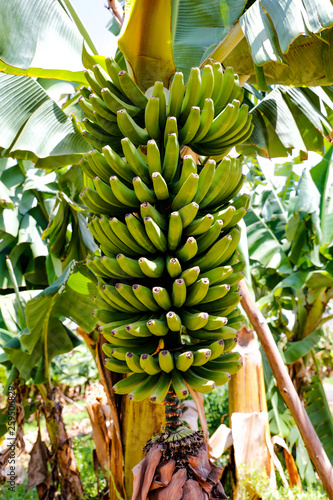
[95, 17]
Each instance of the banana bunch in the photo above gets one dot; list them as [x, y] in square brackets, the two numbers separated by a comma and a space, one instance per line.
[166, 300]
[206, 114]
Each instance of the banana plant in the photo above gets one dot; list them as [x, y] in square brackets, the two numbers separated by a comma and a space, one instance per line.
[59, 142]
[289, 232]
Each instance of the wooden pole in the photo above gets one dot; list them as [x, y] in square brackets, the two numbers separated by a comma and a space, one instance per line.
[288, 391]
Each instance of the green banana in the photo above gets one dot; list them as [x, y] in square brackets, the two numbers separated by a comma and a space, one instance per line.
[206, 177]
[206, 120]
[144, 390]
[135, 160]
[175, 230]
[155, 234]
[160, 186]
[113, 70]
[133, 362]
[148, 210]
[139, 329]
[158, 91]
[130, 129]
[186, 193]
[191, 126]
[162, 297]
[124, 194]
[214, 254]
[207, 84]
[171, 156]
[178, 384]
[218, 274]
[149, 364]
[215, 322]
[173, 267]
[178, 292]
[229, 367]
[207, 239]
[200, 226]
[218, 377]
[158, 327]
[194, 321]
[198, 383]
[128, 384]
[165, 360]
[183, 360]
[197, 292]
[153, 157]
[192, 94]
[121, 231]
[142, 191]
[145, 296]
[188, 167]
[188, 250]
[171, 127]
[160, 391]
[201, 356]
[173, 321]
[138, 232]
[190, 275]
[176, 95]
[188, 213]
[115, 104]
[126, 292]
[152, 268]
[115, 365]
[118, 165]
[152, 120]
[215, 292]
[218, 79]
[131, 90]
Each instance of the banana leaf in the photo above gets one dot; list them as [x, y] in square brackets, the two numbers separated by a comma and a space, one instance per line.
[33, 127]
[289, 40]
[288, 118]
[52, 42]
[46, 336]
[297, 350]
[200, 27]
[319, 413]
[263, 245]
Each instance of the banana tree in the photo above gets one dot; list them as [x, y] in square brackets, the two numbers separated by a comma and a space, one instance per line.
[292, 273]
[58, 141]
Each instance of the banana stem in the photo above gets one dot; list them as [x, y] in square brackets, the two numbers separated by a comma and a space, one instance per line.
[288, 391]
[173, 412]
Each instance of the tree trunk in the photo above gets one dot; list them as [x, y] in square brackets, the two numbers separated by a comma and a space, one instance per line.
[62, 450]
[132, 425]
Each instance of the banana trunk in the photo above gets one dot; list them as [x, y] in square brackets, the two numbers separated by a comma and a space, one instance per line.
[249, 417]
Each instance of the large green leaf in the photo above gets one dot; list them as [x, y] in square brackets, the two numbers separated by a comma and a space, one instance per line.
[297, 350]
[40, 39]
[322, 177]
[33, 127]
[263, 245]
[318, 410]
[289, 40]
[285, 119]
[46, 336]
[200, 27]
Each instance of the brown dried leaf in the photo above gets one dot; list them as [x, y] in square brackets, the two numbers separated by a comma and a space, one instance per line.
[38, 473]
[163, 474]
[217, 492]
[173, 491]
[200, 464]
[192, 490]
[214, 474]
[144, 472]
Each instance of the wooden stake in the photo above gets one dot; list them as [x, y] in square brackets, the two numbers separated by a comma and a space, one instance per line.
[288, 391]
